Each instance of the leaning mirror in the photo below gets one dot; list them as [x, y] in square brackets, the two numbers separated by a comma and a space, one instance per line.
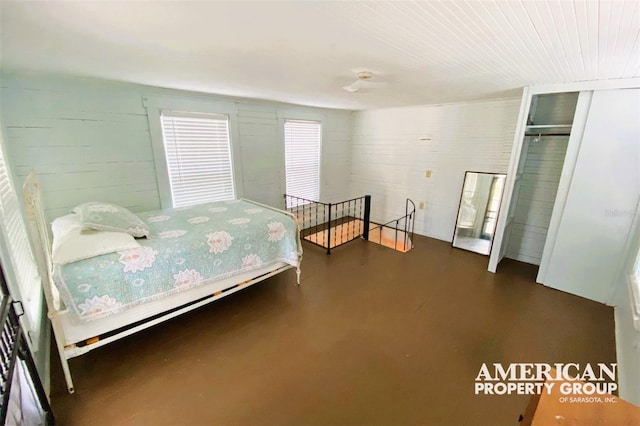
[478, 211]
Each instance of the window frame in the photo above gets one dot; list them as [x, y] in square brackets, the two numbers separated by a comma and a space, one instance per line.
[285, 115]
[27, 290]
[156, 105]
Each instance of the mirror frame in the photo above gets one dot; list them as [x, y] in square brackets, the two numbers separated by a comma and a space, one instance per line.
[455, 228]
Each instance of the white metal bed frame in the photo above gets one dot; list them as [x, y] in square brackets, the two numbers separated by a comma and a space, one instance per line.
[74, 338]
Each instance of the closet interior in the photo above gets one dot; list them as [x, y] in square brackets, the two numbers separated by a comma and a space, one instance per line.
[538, 174]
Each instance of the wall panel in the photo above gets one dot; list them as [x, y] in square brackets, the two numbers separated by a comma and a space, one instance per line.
[393, 149]
[89, 140]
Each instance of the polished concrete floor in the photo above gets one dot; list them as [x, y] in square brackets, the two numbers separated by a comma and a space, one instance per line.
[373, 336]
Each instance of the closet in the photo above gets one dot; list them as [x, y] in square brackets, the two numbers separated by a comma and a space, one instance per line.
[538, 174]
[573, 186]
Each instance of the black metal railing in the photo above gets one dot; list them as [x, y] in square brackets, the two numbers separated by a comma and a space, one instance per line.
[13, 347]
[15, 354]
[398, 230]
[330, 225]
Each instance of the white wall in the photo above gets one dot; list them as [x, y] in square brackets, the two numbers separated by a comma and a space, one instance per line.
[605, 187]
[89, 140]
[393, 148]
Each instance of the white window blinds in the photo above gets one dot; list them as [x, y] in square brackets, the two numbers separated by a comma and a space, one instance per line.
[198, 153]
[15, 250]
[302, 158]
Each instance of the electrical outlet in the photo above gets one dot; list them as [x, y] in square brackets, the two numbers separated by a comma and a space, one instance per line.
[421, 205]
[428, 173]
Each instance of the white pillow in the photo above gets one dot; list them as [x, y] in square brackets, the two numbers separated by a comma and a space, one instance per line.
[71, 242]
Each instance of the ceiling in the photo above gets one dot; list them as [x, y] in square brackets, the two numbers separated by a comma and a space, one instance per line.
[304, 51]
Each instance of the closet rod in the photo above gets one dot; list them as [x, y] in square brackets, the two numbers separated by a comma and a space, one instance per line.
[546, 126]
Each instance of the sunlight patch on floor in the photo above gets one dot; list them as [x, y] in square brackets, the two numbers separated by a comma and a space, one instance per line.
[340, 233]
[344, 232]
[389, 238]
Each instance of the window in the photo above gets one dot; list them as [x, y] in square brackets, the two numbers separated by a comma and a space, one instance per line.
[198, 155]
[15, 250]
[302, 158]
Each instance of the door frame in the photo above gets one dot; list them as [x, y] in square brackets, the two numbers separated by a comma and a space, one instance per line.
[498, 250]
[570, 159]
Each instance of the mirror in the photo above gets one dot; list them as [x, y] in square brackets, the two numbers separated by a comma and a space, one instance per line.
[478, 211]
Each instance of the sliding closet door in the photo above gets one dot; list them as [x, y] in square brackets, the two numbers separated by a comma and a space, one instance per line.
[511, 187]
[604, 190]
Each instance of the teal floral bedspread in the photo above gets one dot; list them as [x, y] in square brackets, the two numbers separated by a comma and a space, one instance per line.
[187, 247]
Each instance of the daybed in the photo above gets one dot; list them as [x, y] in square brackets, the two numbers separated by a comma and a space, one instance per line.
[191, 257]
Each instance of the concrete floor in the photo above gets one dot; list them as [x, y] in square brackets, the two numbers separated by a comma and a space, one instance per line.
[373, 336]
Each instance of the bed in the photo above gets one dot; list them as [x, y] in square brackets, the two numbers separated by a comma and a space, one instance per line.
[188, 257]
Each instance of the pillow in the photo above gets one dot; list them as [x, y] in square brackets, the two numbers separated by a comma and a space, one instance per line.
[71, 242]
[109, 217]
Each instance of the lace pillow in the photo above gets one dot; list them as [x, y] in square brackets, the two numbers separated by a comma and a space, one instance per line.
[110, 217]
